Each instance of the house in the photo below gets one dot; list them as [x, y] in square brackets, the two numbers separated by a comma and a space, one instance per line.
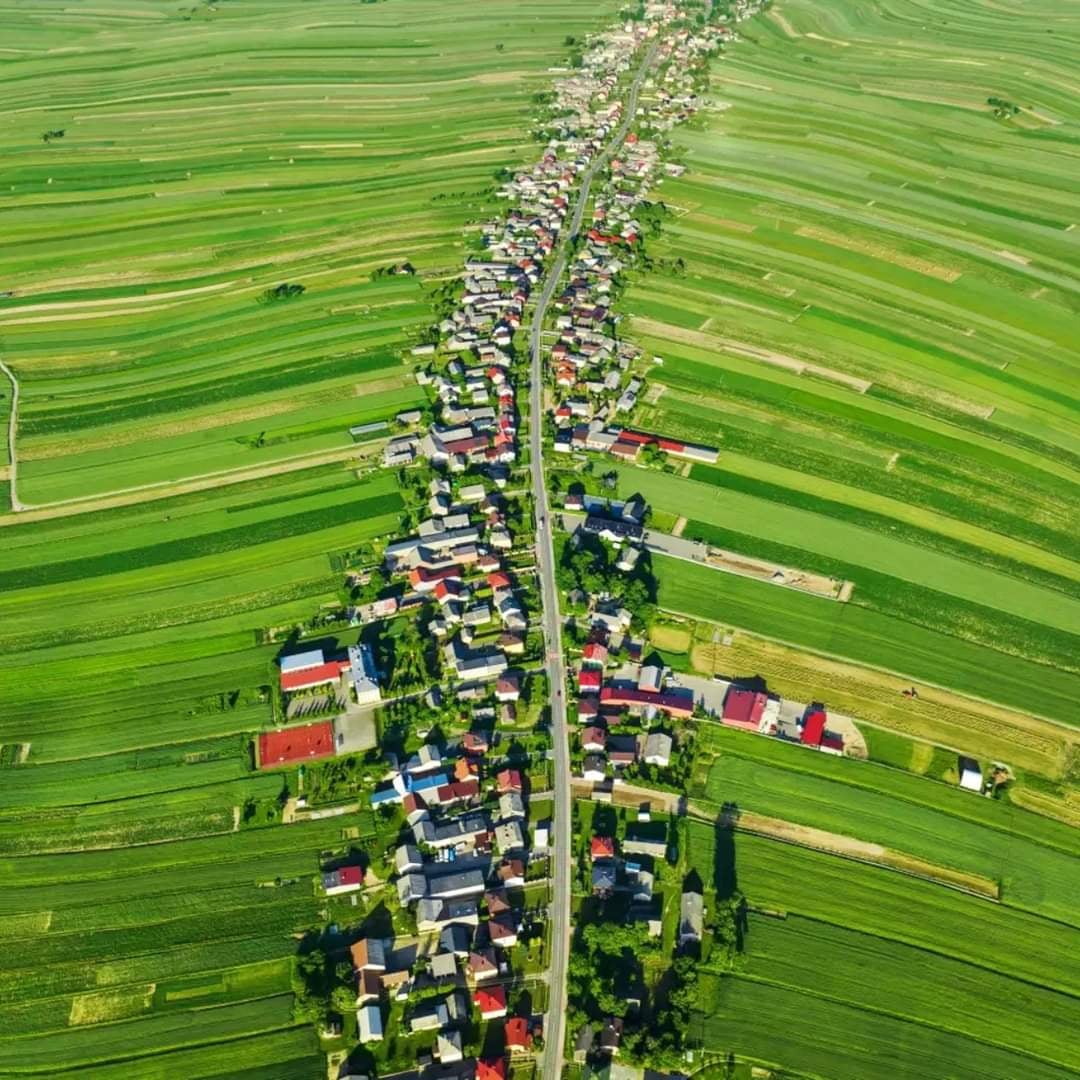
[658, 749]
[368, 954]
[589, 680]
[743, 709]
[675, 704]
[345, 879]
[456, 939]
[971, 778]
[491, 1002]
[508, 686]
[508, 837]
[611, 1036]
[593, 740]
[435, 914]
[813, 727]
[691, 918]
[475, 742]
[497, 902]
[448, 1047]
[646, 838]
[429, 1017]
[511, 805]
[509, 780]
[511, 873]
[481, 965]
[602, 847]
[594, 768]
[517, 1035]
[650, 678]
[603, 878]
[491, 1069]
[595, 653]
[502, 931]
[443, 965]
[407, 859]
[369, 1023]
[368, 986]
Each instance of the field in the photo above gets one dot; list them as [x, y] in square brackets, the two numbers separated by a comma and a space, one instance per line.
[961, 986]
[865, 294]
[139, 244]
[193, 491]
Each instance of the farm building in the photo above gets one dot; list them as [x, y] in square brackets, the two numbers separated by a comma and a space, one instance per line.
[744, 709]
[290, 745]
[971, 777]
[681, 705]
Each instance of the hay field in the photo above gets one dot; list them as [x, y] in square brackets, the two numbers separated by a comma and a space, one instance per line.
[866, 294]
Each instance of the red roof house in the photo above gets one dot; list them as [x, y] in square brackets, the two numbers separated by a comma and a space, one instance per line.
[589, 680]
[517, 1035]
[603, 847]
[491, 1069]
[509, 780]
[743, 708]
[290, 745]
[491, 1001]
[595, 653]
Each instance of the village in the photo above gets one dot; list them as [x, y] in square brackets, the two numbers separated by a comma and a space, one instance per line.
[453, 983]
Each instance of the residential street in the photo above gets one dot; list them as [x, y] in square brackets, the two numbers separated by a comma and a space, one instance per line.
[554, 1032]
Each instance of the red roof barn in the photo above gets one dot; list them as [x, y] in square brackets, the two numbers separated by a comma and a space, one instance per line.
[813, 728]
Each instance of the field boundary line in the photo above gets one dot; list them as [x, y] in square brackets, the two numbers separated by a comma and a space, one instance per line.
[905, 678]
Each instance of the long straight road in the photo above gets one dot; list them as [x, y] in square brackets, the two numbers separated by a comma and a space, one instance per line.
[554, 1032]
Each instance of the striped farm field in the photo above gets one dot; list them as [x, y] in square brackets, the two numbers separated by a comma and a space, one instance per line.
[187, 491]
[961, 986]
[209, 154]
[865, 294]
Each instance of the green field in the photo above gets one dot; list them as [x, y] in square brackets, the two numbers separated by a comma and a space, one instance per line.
[215, 151]
[960, 986]
[150, 898]
[865, 294]
[1035, 860]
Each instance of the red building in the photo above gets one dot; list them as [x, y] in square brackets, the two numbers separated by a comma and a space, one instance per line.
[743, 708]
[626, 697]
[290, 745]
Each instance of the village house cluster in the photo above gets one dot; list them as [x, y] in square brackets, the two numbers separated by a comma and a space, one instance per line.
[598, 378]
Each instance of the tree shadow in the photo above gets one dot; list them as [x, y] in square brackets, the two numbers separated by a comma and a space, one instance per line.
[725, 874]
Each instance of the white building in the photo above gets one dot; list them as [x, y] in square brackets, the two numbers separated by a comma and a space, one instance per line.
[364, 675]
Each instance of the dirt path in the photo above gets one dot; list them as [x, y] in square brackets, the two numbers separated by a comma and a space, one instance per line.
[185, 486]
[13, 419]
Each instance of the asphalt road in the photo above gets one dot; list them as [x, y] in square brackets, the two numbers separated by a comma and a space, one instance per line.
[554, 1030]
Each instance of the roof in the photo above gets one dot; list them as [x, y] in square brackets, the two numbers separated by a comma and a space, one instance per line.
[311, 676]
[743, 708]
[590, 678]
[517, 1033]
[595, 651]
[813, 728]
[312, 741]
[491, 1069]
[490, 999]
[679, 704]
[603, 847]
[300, 661]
